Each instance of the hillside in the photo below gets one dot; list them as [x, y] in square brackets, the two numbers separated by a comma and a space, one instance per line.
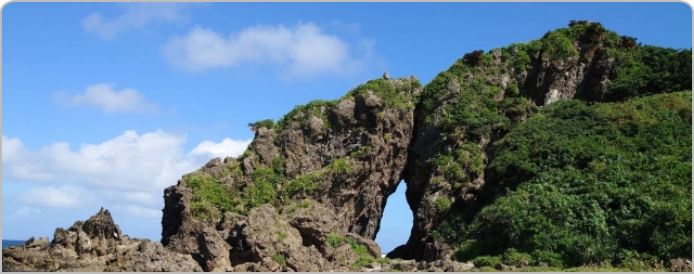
[570, 150]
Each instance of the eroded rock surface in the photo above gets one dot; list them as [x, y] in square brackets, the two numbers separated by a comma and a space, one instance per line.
[94, 245]
[347, 155]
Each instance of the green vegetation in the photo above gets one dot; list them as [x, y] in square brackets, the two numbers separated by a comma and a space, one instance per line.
[307, 183]
[302, 204]
[360, 152]
[613, 178]
[647, 70]
[576, 184]
[301, 113]
[262, 190]
[279, 258]
[392, 92]
[443, 204]
[281, 236]
[487, 261]
[341, 166]
[358, 247]
[587, 184]
[210, 198]
[268, 123]
[335, 240]
[557, 46]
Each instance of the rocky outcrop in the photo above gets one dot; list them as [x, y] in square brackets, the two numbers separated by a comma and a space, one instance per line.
[94, 245]
[347, 155]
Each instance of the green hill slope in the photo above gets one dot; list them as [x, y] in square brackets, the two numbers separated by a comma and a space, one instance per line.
[580, 184]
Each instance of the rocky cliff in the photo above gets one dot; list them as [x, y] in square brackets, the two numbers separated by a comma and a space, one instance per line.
[344, 156]
[474, 104]
[309, 192]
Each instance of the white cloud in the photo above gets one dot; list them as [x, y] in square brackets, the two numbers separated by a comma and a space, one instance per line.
[107, 99]
[224, 149]
[136, 16]
[64, 197]
[303, 50]
[130, 170]
[143, 212]
[10, 147]
[24, 212]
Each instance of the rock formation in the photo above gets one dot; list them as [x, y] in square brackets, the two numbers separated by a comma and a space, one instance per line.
[544, 81]
[346, 155]
[309, 192]
[92, 246]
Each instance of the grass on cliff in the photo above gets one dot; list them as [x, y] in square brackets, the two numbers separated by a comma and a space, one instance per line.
[578, 184]
[211, 198]
[393, 92]
[335, 240]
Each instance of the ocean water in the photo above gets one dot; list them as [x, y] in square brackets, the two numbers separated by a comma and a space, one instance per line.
[6, 243]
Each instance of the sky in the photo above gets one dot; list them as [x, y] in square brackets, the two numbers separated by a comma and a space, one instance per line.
[107, 104]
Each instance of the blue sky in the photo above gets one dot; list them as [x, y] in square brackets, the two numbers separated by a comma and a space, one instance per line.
[106, 104]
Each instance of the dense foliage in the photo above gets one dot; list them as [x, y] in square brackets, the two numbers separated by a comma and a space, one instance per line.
[582, 184]
[646, 70]
[549, 178]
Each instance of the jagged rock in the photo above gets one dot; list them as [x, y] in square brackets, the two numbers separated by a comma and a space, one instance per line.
[179, 231]
[314, 126]
[229, 220]
[264, 146]
[101, 225]
[344, 114]
[315, 223]
[94, 245]
[83, 244]
[344, 255]
[372, 101]
[680, 265]
[248, 165]
[149, 256]
[265, 235]
[374, 154]
[215, 251]
[40, 243]
[405, 266]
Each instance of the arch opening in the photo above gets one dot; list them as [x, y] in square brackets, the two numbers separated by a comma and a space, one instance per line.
[396, 223]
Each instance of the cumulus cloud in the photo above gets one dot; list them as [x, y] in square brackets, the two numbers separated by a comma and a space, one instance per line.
[136, 16]
[64, 197]
[303, 50]
[105, 97]
[10, 147]
[225, 148]
[130, 170]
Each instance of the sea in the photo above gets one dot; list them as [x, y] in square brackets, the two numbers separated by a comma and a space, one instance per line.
[6, 243]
